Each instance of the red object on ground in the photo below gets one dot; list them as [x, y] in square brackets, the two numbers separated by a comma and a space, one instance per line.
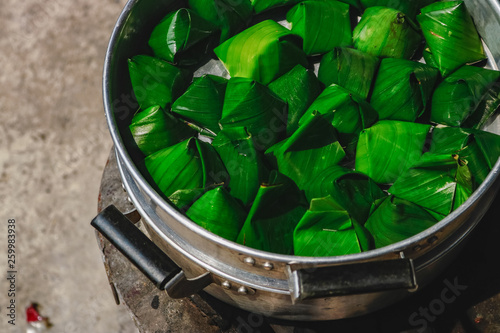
[32, 314]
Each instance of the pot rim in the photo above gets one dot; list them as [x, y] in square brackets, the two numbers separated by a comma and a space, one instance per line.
[125, 158]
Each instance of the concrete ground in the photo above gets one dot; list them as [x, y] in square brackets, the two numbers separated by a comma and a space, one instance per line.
[53, 147]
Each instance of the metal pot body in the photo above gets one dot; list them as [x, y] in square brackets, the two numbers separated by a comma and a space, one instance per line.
[261, 282]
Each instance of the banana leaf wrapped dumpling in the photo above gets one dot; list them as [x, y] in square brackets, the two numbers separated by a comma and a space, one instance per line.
[395, 219]
[156, 82]
[153, 129]
[263, 5]
[409, 7]
[403, 89]
[438, 182]
[218, 212]
[311, 149]
[347, 112]
[229, 16]
[389, 148]
[182, 37]
[202, 103]
[262, 52]
[244, 163]
[322, 25]
[278, 207]
[467, 98]
[250, 104]
[350, 69]
[327, 229]
[190, 164]
[386, 32]
[298, 88]
[479, 149]
[450, 35]
[354, 191]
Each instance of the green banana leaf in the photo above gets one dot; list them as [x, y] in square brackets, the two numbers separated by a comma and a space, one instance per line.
[428, 57]
[250, 104]
[298, 88]
[479, 149]
[389, 148]
[183, 199]
[229, 16]
[386, 32]
[190, 164]
[218, 212]
[349, 68]
[352, 190]
[263, 5]
[451, 35]
[156, 82]
[348, 113]
[468, 97]
[322, 25]
[154, 129]
[403, 89]
[262, 52]
[409, 7]
[244, 164]
[396, 219]
[182, 37]
[311, 149]
[437, 182]
[327, 229]
[202, 102]
[278, 207]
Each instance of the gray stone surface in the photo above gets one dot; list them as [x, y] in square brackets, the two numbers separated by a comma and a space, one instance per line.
[53, 147]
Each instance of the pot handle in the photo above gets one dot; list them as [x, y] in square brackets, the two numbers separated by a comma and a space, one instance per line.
[146, 255]
[360, 278]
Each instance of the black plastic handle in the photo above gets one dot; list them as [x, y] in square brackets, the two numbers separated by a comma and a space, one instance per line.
[138, 248]
[350, 279]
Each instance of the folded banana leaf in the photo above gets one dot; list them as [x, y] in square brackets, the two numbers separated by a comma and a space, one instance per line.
[218, 212]
[229, 16]
[311, 149]
[298, 88]
[262, 52]
[403, 89]
[202, 102]
[156, 82]
[451, 35]
[354, 191]
[468, 97]
[263, 5]
[322, 25]
[349, 68]
[244, 164]
[250, 104]
[183, 199]
[409, 7]
[278, 207]
[153, 129]
[479, 149]
[437, 182]
[327, 229]
[389, 148]
[428, 57]
[190, 164]
[182, 37]
[396, 219]
[386, 32]
[348, 113]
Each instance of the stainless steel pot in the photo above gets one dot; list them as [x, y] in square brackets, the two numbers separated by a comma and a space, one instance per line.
[288, 287]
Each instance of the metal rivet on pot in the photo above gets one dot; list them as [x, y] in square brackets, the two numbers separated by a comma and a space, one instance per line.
[243, 290]
[433, 239]
[268, 266]
[226, 285]
[249, 261]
